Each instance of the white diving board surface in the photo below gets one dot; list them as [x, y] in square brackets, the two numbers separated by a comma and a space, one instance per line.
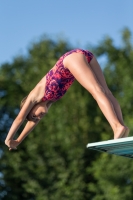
[120, 147]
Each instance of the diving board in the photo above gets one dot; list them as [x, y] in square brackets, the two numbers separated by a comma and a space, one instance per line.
[120, 147]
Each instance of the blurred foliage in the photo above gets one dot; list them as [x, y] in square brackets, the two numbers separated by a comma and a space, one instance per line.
[53, 162]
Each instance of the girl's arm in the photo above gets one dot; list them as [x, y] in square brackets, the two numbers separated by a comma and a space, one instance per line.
[12, 144]
[30, 102]
[28, 128]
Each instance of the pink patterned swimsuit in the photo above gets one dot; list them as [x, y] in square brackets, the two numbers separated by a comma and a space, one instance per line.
[59, 78]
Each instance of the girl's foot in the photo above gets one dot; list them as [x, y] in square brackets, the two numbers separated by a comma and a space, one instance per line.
[120, 132]
[126, 132]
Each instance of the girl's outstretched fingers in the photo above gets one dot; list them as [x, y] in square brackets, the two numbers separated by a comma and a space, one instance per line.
[10, 149]
[12, 144]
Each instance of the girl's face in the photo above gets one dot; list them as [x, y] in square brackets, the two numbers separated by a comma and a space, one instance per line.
[38, 112]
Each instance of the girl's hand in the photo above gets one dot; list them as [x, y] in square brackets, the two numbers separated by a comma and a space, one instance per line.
[12, 144]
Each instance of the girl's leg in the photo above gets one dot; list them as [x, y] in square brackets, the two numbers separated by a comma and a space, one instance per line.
[100, 77]
[79, 67]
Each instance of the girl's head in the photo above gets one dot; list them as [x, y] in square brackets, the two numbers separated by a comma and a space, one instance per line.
[37, 112]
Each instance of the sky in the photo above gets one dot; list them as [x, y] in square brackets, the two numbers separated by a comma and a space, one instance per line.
[80, 22]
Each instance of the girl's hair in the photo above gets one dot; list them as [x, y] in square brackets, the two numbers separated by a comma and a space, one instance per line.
[23, 102]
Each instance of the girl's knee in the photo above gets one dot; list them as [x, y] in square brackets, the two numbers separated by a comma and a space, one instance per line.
[100, 89]
[97, 91]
